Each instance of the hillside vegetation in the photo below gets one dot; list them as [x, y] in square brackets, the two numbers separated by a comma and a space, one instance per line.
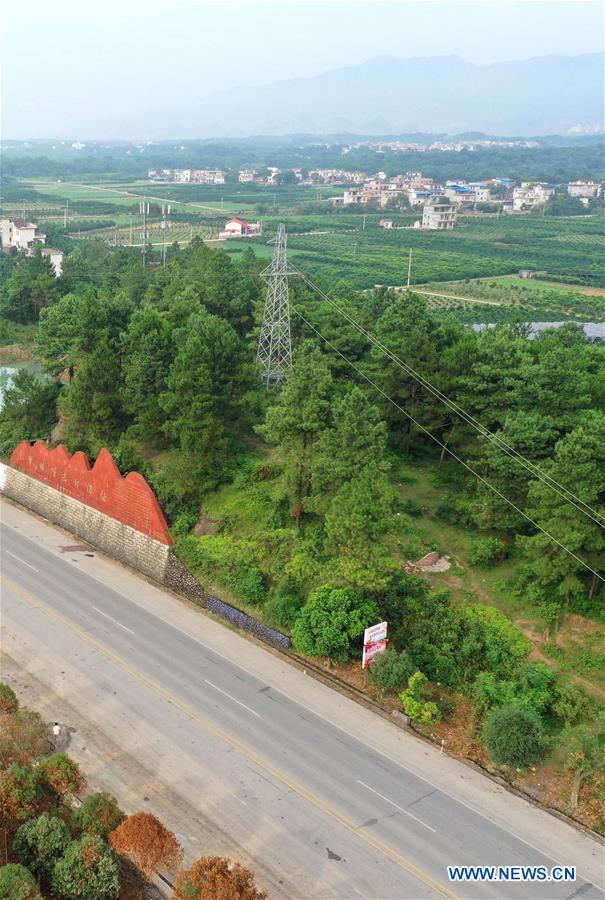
[305, 506]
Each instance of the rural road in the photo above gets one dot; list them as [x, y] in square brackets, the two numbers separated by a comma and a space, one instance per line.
[243, 754]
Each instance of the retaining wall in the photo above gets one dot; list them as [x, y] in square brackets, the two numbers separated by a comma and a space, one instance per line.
[120, 516]
[130, 500]
[130, 546]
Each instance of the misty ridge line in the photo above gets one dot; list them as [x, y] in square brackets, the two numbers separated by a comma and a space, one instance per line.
[386, 95]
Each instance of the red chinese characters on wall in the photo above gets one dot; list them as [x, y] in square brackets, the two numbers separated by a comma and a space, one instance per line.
[130, 500]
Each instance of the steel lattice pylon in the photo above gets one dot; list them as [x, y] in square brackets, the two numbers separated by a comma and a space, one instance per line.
[274, 355]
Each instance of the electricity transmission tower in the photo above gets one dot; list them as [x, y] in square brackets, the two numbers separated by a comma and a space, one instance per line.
[274, 355]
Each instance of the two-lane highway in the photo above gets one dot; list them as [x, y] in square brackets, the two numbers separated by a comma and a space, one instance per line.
[392, 832]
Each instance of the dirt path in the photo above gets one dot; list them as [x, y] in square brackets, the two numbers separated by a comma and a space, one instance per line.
[456, 297]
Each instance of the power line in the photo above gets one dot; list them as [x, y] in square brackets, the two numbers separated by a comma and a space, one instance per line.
[542, 476]
[447, 450]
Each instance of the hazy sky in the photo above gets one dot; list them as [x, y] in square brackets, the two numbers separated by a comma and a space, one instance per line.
[91, 69]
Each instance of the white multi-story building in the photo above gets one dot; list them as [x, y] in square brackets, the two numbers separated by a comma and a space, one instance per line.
[19, 234]
[529, 195]
[584, 189]
[438, 214]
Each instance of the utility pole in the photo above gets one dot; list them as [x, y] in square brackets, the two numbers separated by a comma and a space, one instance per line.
[274, 354]
[131, 229]
[144, 209]
[364, 222]
[409, 268]
[65, 211]
[164, 227]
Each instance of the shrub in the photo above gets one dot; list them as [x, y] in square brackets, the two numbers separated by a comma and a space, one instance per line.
[98, 814]
[216, 877]
[227, 561]
[486, 552]
[410, 507]
[535, 687]
[8, 699]
[415, 706]
[457, 512]
[391, 670]
[572, 704]
[17, 883]
[23, 794]
[331, 621]
[504, 646]
[24, 737]
[142, 838]
[62, 775]
[514, 737]
[283, 606]
[183, 524]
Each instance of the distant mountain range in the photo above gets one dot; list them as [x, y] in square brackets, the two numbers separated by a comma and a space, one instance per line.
[544, 95]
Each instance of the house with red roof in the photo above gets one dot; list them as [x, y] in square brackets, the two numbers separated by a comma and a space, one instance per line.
[18, 233]
[238, 228]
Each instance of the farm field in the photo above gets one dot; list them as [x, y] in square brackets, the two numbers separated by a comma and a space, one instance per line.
[476, 261]
[515, 296]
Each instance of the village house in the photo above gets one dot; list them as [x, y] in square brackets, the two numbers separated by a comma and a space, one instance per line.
[588, 190]
[438, 214]
[19, 234]
[529, 195]
[239, 228]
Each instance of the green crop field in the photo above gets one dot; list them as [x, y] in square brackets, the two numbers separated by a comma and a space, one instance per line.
[474, 261]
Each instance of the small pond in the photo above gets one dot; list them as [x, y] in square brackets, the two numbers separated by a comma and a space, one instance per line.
[7, 373]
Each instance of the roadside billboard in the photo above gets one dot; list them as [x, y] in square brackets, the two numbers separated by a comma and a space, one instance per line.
[372, 650]
[375, 633]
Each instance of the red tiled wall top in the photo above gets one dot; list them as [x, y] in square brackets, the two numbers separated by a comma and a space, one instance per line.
[129, 500]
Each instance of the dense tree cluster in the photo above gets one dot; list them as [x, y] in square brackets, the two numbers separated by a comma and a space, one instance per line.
[557, 159]
[53, 845]
[302, 503]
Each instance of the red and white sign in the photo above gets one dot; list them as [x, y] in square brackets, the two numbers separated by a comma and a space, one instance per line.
[375, 633]
[372, 650]
[374, 642]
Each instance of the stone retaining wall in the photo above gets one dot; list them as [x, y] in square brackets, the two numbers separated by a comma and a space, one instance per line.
[101, 507]
[132, 547]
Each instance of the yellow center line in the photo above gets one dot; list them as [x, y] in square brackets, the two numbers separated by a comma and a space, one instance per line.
[321, 804]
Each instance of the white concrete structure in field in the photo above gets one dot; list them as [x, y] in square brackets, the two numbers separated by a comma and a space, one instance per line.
[438, 213]
[584, 189]
[239, 228]
[56, 259]
[19, 234]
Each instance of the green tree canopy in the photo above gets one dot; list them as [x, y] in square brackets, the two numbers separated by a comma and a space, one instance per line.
[88, 870]
[40, 842]
[332, 622]
[18, 883]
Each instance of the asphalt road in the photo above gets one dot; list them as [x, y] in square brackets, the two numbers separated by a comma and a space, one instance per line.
[391, 832]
